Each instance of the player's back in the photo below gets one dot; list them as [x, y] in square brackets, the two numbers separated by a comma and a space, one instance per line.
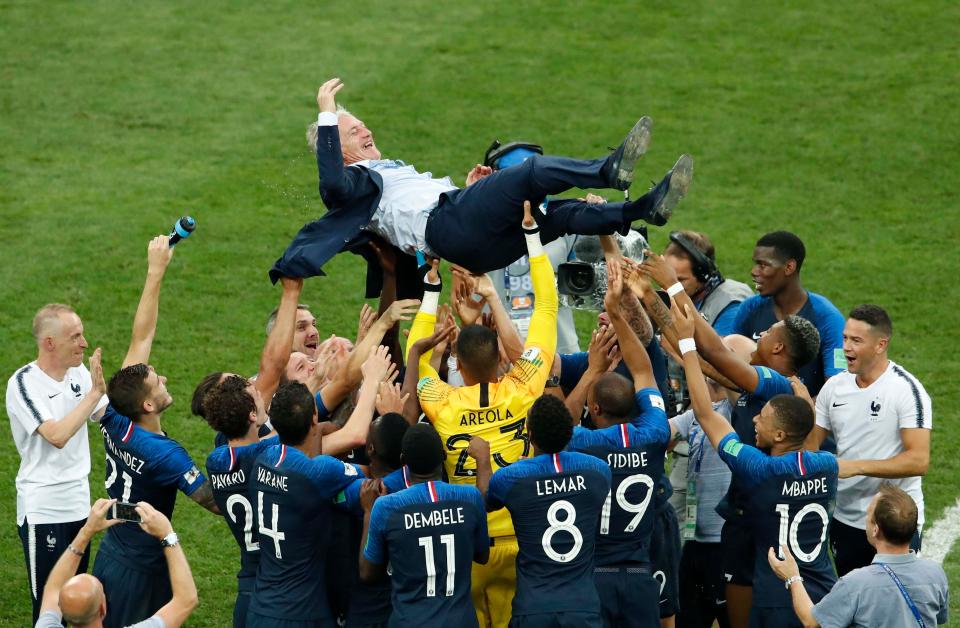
[229, 470]
[142, 466]
[635, 457]
[430, 533]
[555, 502]
[291, 495]
[791, 499]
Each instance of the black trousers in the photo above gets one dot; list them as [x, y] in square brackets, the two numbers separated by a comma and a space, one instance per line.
[702, 587]
[478, 227]
[43, 544]
[851, 549]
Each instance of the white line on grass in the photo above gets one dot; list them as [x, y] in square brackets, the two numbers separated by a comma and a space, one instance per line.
[939, 538]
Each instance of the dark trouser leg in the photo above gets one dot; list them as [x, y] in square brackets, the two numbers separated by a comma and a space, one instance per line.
[42, 546]
[702, 598]
[850, 547]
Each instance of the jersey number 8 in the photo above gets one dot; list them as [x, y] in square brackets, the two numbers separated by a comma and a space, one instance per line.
[565, 525]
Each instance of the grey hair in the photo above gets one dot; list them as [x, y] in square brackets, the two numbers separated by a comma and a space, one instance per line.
[312, 129]
[272, 320]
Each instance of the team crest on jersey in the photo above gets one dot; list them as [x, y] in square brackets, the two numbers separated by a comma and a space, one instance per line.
[349, 469]
[192, 475]
[51, 541]
[875, 407]
[75, 388]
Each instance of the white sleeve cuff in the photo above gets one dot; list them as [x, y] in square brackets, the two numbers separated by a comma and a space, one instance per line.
[430, 302]
[327, 118]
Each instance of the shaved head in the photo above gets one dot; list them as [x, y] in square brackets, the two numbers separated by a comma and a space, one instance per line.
[741, 345]
[82, 601]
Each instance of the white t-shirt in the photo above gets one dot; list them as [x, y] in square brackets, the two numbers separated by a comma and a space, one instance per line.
[407, 200]
[52, 484]
[866, 424]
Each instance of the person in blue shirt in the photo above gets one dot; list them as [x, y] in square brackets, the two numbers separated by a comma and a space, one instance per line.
[634, 446]
[142, 464]
[291, 490]
[555, 499]
[234, 408]
[780, 352]
[791, 491]
[368, 604]
[777, 260]
[430, 534]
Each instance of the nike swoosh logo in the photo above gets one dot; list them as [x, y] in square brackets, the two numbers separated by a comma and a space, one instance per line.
[756, 336]
[52, 396]
[837, 405]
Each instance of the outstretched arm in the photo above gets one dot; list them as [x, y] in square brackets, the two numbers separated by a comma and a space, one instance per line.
[709, 344]
[634, 354]
[354, 432]
[69, 561]
[913, 460]
[159, 254]
[479, 450]
[601, 356]
[714, 425]
[276, 351]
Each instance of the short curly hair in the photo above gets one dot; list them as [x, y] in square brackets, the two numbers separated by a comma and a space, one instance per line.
[550, 424]
[292, 410]
[200, 392]
[227, 407]
[802, 340]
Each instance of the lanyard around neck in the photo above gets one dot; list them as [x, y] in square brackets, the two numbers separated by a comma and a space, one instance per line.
[906, 596]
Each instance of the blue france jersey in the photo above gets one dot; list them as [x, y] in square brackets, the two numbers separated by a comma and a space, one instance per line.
[292, 495]
[555, 502]
[349, 498]
[770, 383]
[635, 453]
[756, 315]
[229, 470]
[430, 534]
[791, 502]
[143, 466]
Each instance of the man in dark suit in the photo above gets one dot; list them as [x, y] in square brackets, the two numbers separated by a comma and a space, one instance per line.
[477, 227]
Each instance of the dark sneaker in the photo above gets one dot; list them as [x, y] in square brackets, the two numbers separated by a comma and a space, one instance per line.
[670, 190]
[623, 160]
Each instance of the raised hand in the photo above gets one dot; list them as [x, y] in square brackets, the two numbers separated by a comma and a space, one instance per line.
[326, 95]
[377, 365]
[403, 310]
[478, 172]
[528, 221]
[602, 350]
[96, 371]
[368, 316]
[684, 321]
[154, 522]
[159, 254]
[659, 269]
[611, 300]
[633, 279]
[389, 399]
[370, 490]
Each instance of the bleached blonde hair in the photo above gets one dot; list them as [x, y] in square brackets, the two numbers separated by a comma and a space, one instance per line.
[312, 129]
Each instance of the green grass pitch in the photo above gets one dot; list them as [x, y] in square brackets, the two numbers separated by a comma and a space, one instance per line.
[834, 120]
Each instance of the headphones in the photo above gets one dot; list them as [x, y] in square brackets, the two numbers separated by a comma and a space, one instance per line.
[704, 269]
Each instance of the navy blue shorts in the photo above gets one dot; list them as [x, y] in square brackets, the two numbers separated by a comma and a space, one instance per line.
[665, 558]
[629, 596]
[132, 595]
[261, 621]
[738, 552]
[43, 543]
[557, 620]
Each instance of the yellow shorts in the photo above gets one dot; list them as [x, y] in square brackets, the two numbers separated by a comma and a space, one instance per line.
[495, 583]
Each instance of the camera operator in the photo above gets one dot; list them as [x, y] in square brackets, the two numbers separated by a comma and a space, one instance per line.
[79, 599]
[694, 260]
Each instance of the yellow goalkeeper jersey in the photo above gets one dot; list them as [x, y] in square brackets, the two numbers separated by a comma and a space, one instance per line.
[496, 412]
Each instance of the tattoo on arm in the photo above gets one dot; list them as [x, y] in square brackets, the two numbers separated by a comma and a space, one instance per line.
[204, 497]
[637, 319]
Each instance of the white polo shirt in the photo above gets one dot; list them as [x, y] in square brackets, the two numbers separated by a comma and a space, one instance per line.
[52, 484]
[866, 424]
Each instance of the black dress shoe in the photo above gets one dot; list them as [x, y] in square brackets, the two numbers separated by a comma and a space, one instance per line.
[673, 187]
[619, 166]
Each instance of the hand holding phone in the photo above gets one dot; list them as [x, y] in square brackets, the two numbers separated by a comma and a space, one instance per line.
[125, 512]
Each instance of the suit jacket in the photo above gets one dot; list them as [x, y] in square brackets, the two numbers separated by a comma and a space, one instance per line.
[352, 195]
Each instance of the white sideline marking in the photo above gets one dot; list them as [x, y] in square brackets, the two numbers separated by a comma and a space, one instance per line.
[938, 540]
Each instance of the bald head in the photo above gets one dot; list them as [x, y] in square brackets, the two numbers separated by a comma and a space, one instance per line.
[741, 345]
[82, 601]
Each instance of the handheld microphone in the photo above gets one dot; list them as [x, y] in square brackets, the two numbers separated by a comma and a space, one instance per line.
[181, 229]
